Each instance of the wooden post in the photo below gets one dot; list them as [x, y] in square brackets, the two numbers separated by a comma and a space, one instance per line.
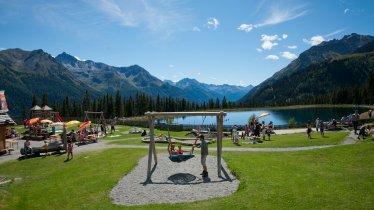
[2, 137]
[219, 142]
[150, 150]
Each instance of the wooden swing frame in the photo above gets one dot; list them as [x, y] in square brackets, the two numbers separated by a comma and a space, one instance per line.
[152, 116]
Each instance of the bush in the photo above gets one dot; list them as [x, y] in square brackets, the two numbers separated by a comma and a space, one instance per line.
[292, 123]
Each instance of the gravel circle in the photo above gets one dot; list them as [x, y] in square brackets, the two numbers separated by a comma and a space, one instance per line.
[173, 182]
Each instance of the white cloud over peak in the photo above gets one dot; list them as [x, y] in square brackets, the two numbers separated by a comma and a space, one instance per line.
[292, 47]
[278, 13]
[271, 57]
[212, 23]
[245, 27]
[284, 36]
[314, 40]
[288, 55]
[267, 41]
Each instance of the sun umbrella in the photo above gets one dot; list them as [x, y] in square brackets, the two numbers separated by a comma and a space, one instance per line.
[73, 122]
[33, 120]
[264, 114]
[84, 125]
[46, 121]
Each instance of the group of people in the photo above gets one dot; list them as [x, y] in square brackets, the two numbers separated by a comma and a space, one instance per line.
[255, 129]
[11, 133]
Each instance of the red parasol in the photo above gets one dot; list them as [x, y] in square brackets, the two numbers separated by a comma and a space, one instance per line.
[84, 125]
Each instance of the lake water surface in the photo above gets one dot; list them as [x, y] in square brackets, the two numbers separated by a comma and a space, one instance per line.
[279, 116]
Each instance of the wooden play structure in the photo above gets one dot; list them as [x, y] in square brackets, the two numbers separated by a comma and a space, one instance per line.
[97, 117]
[152, 116]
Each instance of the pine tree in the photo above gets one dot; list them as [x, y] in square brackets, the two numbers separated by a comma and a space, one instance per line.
[118, 105]
[45, 99]
[34, 100]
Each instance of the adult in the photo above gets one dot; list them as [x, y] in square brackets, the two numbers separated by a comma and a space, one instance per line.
[317, 123]
[270, 129]
[355, 121]
[112, 127]
[322, 128]
[204, 153]
[263, 130]
[235, 134]
[27, 147]
[246, 130]
[309, 129]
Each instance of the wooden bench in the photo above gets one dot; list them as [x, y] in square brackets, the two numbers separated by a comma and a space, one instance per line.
[7, 150]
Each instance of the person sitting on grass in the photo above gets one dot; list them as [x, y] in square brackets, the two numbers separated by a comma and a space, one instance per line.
[362, 132]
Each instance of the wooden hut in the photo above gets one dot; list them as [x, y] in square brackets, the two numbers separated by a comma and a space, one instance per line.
[5, 120]
[41, 112]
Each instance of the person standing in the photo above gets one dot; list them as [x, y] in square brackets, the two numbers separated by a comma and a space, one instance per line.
[309, 129]
[322, 128]
[355, 122]
[204, 153]
[317, 123]
[369, 113]
[70, 150]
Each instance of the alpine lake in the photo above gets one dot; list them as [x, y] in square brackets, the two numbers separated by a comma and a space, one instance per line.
[279, 116]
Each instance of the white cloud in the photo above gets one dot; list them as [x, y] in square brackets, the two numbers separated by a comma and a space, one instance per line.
[334, 32]
[267, 41]
[272, 57]
[196, 29]
[314, 40]
[346, 11]
[155, 16]
[212, 23]
[279, 13]
[292, 47]
[259, 49]
[245, 27]
[284, 36]
[288, 55]
[79, 59]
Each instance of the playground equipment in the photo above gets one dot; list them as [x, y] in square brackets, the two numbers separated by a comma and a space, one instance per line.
[152, 116]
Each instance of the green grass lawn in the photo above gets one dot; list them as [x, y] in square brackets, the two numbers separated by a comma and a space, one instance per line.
[277, 141]
[292, 140]
[341, 177]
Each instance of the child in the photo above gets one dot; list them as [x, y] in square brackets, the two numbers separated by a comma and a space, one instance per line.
[309, 129]
[180, 151]
[172, 150]
[45, 147]
[204, 153]
[70, 150]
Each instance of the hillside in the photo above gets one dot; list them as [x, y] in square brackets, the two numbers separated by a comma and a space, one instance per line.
[324, 51]
[335, 74]
[27, 73]
[128, 80]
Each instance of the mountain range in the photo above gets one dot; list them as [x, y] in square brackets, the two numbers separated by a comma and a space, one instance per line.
[27, 73]
[317, 71]
[201, 91]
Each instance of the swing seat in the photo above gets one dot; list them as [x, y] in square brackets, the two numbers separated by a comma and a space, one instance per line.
[180, 158]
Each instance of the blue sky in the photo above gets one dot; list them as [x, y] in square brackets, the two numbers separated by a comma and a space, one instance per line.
[237, 42]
